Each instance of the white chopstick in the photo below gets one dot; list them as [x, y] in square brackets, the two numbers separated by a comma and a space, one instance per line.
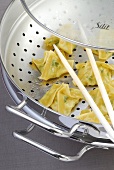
[101, 85]
[89, 99]
[98, 78]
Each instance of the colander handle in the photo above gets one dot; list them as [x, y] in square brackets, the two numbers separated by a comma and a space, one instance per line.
[55, 130]
[21, 135]
[52, 128]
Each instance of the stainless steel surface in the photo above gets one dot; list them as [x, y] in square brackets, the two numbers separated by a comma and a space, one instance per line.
[93, 133]
[20, 135]
[21, 40]
[85, 130]
[15, 155]
[57, 18]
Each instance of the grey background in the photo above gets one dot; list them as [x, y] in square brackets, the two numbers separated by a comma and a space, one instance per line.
[16, 155]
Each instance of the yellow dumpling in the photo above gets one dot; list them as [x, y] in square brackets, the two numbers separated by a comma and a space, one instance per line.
[86, 75]
[51, 40]
[61, 98]
[66, 46]
[88, 115]
[48, 98]
[38, 64]
[103, 55]
[51, 66]
[67, 98]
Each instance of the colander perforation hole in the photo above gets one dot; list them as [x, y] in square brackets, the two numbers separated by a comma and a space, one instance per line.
[12, 65]
[32, 91]
[30, 41]
[38, 46]
[77, 108]
[30, 25]
[33, 54]
[75, 69]
[113, 57]
[23, 89]
[70, 55]
[83, 101]
[25, 50]
[76, 62]
[22, 59]
[18, 44]
[44, 38]
[37, 32]
[29, 72]
[30, 63]
[36, 100]
[23, 34]
[14, 54]
[20, 69]
[74, 49]
[29, 81]
[106, 62]
[80, 55]
[72, 115]
[21, 79]
[13, 76]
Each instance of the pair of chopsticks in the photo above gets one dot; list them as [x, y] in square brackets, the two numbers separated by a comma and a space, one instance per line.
[104, 122]
[98, 77]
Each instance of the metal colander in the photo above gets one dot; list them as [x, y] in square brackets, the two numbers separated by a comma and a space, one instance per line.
[26, 41]
[22, 39]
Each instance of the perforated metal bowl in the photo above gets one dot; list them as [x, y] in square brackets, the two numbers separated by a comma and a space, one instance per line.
[21, 39]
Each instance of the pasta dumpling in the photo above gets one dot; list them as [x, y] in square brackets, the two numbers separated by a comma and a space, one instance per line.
[51, 66]
[86, 75]
[88, 114]
[61, 98]
[103, 55]
[66, 46]
[51, 40]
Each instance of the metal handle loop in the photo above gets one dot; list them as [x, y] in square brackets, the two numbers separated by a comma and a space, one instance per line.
[75, 131]
[21, 135]
[53, 129]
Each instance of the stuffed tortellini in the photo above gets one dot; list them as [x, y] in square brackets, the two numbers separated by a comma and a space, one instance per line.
[51, 66]
[88, 115]
[61, 98]
[86, 75]
[103, 55]
[51, 40]
[66, 46]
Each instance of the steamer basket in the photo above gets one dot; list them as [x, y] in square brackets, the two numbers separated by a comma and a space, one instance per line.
[21, 39]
